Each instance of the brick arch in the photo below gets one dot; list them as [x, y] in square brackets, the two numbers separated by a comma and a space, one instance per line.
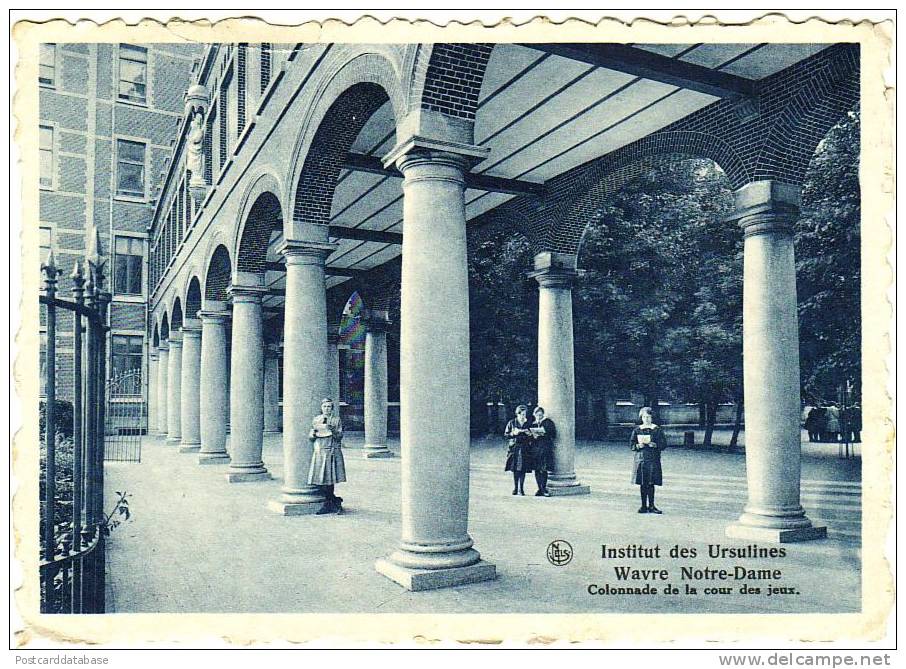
[164, 327]
[260, 214]
[560, 225]
[327, 130]
[193, 297]
[447, 78]
[218, 275]
[176, 314]
[327, 151]
[805, 121]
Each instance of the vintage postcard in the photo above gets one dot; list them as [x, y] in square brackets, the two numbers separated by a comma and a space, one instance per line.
[377, 331]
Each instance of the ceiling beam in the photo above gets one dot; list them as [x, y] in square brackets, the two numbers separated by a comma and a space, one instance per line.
[358, 162]
[348, 272]
[654, 66]
[365, 235]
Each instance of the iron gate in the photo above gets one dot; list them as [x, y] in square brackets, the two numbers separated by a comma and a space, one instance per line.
[125, 417]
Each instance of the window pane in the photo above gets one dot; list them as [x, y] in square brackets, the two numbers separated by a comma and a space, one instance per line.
[131, 179]
[135, 275]
[132, 151]
[120, 274]
[46, 168]
[133, 52]
[45, 137]
[132, 71]
[48, 54]
[135, 345]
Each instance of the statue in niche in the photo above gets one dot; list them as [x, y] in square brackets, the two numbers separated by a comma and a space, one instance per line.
[195, 148]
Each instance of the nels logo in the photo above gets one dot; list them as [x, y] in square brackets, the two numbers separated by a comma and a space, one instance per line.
[559, 552]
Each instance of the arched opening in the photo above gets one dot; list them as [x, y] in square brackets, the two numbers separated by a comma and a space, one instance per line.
[164, 328]
[217, 277]
[176, 316]
[155, 337]
[658, 312]
[193, 298]
[264, 218]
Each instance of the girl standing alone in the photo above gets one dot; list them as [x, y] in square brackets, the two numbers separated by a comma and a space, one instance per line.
[647, 441]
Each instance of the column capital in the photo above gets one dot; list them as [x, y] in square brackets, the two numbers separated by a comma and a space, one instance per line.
[191, 327]
[246, 293]
[306, 252]
[175, 340]
[163, 347]
[213, 316]
[763, 207]
[152, 354]
[555, 270]
[420, 150]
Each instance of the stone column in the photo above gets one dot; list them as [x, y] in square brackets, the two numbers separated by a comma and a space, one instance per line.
[174, 404]
[153, 373]
[555, 274]
[272, 389]
[163, 367]
[214, 400]
[247, 383]
[190, 386]
[376, 324]
[766, 211]
[435, 549]
[305, 383]
[333, 362]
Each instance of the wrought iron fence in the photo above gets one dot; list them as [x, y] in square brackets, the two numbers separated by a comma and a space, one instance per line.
[125, 417]
[72, 523]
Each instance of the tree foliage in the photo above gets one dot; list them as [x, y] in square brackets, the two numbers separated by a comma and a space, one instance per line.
[658, 308]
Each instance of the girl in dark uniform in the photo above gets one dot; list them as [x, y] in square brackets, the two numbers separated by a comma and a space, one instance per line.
[647, 442]
[544, 431]
[519, 448]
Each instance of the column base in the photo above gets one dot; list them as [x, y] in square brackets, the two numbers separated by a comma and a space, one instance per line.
[273, 431]
[295, 508]
[416, 580]
[174, 441]
[563, 491]
[189, 448]
[213, 459]
[775, 535]
[247, 477]
[377, 452]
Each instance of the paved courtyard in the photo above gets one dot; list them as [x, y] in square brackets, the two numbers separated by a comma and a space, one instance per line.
[198, 544]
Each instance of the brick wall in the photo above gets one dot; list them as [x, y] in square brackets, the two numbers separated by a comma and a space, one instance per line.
[80, 109]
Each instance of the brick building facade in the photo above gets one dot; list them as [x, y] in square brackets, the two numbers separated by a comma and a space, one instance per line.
[108, 115]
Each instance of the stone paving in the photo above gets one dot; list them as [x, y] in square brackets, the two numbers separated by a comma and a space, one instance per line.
[198, 544]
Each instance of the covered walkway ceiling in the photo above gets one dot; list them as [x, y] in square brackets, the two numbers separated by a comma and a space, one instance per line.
[544, 109]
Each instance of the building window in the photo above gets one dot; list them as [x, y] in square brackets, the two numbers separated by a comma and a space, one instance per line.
[45, 243]
[45, 149]
[47, 65]
[130, 168]
[127, 268]
[133, 73]
[265, 65]
[127, 354]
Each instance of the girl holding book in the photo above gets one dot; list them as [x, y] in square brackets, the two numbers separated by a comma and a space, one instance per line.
[327, 465]
[647, 441]
[519, 448]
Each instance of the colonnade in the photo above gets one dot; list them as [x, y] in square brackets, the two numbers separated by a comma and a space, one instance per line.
[435, 548]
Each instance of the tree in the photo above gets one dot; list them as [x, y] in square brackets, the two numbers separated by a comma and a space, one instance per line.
[828, 269]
